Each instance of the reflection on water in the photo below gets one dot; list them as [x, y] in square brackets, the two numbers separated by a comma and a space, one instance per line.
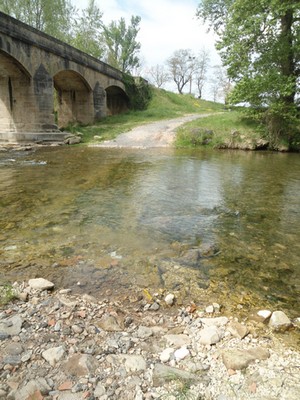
[227, 222]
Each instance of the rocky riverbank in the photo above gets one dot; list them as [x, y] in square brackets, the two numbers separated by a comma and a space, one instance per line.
[58, 346]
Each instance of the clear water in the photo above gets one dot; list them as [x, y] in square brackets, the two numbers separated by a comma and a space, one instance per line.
[217, 225]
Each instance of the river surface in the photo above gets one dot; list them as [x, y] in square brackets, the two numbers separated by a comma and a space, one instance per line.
[223, 226]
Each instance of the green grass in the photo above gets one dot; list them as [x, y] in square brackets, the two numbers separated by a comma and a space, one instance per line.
[229, 129]
[163, 105]
[7, 294]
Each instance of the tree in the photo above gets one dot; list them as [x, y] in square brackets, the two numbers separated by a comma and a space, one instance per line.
[182, 66]
[202, 63]
[87, 31]
[259, 42]
[220, 84]
[122, 47]
[50, 16]
[158, 76]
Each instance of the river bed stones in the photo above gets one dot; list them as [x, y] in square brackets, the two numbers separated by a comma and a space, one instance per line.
[66, 347]
[279, 321]
[40, 284]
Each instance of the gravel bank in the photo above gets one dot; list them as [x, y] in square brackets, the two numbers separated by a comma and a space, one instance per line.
[58, 346]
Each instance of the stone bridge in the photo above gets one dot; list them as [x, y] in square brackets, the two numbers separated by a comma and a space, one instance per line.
[46, 84]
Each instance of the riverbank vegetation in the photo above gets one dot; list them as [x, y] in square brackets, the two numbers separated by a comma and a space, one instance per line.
[163, 105]
[226, 130]
[259, 47]
[7, 294]
[221, 128]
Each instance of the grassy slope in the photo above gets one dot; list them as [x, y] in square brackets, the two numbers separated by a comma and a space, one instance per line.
[164, 105]
[223, 130]
[229, 129]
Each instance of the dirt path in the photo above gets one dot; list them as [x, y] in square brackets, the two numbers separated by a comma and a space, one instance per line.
[156, 134]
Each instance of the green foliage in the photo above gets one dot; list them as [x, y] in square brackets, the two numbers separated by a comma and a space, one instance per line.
[260, 46]
[138, 91]
[50, 16]
[181, 391]
[116, 42]
[121, 45]
[229, 129]
[87, 31]
[7, 294]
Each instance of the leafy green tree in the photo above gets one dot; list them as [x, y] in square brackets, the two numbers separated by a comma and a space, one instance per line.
[87, 31]
[50, 16]
[122, 48]
[259, 42]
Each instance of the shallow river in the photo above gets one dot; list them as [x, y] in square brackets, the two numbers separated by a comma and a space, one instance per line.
[204, 224]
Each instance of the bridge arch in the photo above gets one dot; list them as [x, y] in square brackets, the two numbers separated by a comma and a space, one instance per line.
[74, 98]
[117, 100]
[15, 94]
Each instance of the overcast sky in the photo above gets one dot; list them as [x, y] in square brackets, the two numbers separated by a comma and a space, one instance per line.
[166, 26]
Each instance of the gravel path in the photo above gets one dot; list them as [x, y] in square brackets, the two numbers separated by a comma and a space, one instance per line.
[156, 134]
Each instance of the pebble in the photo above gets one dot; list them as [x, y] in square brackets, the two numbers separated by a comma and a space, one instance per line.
[181, 353]
[169, 299]
[53, 355]
[209, 335]
[59, 346]
[166, 354]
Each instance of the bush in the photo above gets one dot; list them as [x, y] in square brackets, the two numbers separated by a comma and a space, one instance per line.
[138, 91]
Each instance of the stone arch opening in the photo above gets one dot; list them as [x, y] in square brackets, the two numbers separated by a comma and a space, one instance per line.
[73, 100]
[15, 96]
[117, 100]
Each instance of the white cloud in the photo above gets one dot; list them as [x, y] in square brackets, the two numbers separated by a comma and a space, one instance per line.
[166, 26]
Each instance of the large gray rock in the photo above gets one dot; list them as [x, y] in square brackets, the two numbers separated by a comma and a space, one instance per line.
[131, 362]
[177, 340]
[238, 330]
[53, 355]
[237, 359]
[109, 323]
[69, 396]
[279, 321]
[144, 332]
[217, 321]
[40, 284]
[73, 140]
[99, 390]
[210, 335]
[134, 363]
[80, 365]
[11, 326]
